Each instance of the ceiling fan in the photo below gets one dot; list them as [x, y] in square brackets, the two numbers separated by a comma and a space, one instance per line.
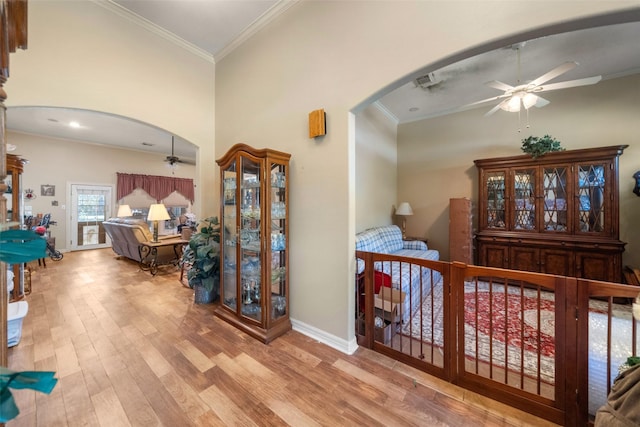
[173, 159]
[526, 95]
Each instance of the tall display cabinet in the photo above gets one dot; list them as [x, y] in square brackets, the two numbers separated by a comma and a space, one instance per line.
[557, 214]
[254, 242]
[15, 212]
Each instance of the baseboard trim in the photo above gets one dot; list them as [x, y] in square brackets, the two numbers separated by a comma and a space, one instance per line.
[345, 346]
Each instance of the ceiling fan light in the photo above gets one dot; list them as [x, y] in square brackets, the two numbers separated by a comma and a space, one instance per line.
[513, 105]
[529, 100]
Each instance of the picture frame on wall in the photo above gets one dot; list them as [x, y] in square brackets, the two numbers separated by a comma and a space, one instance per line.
[47, 190]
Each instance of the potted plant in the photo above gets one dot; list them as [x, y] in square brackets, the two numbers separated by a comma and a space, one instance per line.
[203, 256]
[538, 146]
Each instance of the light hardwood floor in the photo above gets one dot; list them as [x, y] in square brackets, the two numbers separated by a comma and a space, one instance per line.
[131, 349]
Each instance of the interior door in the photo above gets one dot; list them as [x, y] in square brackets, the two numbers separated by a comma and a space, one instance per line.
[90, 206]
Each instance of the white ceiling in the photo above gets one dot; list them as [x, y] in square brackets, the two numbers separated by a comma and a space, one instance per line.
[208, 25]
[97, 128]
[212, 28]
[610, 51]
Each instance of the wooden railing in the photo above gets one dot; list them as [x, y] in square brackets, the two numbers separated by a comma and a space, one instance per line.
[548, 345]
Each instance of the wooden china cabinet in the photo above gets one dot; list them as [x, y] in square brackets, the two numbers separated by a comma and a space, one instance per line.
[254, 242]
[557, 214]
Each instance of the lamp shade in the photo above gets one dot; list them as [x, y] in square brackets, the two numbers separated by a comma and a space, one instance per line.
[124, 210]
[512, 105]
[529, 100]
[158, 213]
[404, 209]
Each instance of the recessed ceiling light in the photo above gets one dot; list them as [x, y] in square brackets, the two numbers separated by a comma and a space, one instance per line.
[413, 109]
[74, 124]
[148, 144]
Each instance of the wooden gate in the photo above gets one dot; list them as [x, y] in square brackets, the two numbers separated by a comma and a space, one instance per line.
[548, 345]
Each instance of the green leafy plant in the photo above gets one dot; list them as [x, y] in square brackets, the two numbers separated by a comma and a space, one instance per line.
[203, 255]
[538, 146]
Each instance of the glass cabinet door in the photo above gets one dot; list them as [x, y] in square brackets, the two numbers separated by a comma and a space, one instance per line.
[591, 198]
[278, 286]
[524, 212]
[554, 192]
[495, 188]
[229, 237]
[250, 239]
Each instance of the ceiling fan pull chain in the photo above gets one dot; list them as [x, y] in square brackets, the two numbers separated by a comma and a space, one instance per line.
[519, 68]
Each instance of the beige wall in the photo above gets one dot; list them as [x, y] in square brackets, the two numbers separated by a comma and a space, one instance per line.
[335, 55]
[61, 162]
[376, 168]
[435, 157]
[331, 55]
[83, 55]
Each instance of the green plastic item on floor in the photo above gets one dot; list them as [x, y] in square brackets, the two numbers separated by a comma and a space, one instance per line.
[43, 381]
[18, 246]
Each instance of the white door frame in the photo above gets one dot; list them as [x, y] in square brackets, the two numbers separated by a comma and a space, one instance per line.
[72, 223]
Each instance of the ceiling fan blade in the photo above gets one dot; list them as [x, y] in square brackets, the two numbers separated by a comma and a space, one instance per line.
[499, 85]
[497, 107]
[561, 69]
[493, 98]
[570, 83]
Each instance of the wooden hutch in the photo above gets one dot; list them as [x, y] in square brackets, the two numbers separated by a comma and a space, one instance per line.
[557, 214]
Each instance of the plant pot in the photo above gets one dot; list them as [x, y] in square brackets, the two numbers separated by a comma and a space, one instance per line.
[202, 295]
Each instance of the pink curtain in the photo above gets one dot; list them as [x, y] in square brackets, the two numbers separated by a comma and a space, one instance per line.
[158, 187]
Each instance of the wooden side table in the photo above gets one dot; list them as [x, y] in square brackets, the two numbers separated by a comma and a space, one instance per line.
[148, 252]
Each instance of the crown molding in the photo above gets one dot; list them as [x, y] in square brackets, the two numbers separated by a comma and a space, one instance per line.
[267, 17]
[378, 105]
[150, 26]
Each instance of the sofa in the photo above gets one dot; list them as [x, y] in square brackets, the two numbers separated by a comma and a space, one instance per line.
[404, 276]
[126, 234]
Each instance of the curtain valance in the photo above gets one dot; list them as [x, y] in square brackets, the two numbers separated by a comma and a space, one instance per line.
[158, 187]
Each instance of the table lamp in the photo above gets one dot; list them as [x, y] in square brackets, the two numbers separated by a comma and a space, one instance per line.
[404, 210]
[157, 213]
[123, 211]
